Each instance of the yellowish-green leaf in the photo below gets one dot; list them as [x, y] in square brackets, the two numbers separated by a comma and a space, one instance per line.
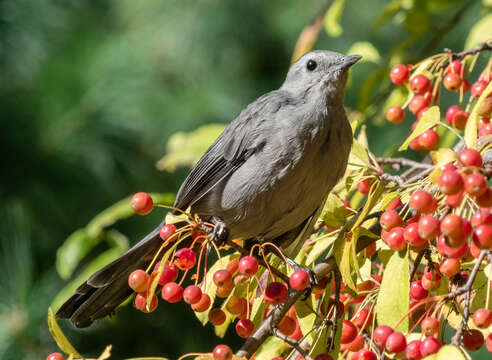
[185, 149]
[257, 311]
[106, 354]
[220, 330]
[392, 303]
[59, 337]
[332, 18]
[430, 119]
[448, 352]
[320, 246]
[367, 50]
[306, 317]
[271, 348]
[343, 256]
[321, 339]
[471, 132]
[480, 32]
[359, 154]
[440, 157]
[334, 212]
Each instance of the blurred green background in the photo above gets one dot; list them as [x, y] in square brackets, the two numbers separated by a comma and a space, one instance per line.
[90, 93]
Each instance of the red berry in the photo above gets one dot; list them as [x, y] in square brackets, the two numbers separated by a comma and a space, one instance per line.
[233, 266]
[381, 334]
[455, 67]
[472, 339]
[395, 343]
[399, 74]
[276, 293]
[248, 266]
[429, 326]
[203, 304]
[429, 227]
[139, 280]
[452, 226]
[486, 107]
[166, 231]
[55, 356]
[396, 240]
[481, 216]
[236, 305]
[413, 350]
[485, 200]
[465, 85]
[423, 202]
[323, 356]
[222, 352]
[141, 303]
[417, 291]
[452, 110]
[192, 294]
[142, 203]
[450, 182]
[475, 184]
[244, 328]
[172, 292]
[224, 291]
[429, 139]
[470, 157]
[364, 186]
[482, 318]
[216, 317]
[430, 345]
[287, 325]
[364, 354]
[477, 88]
[451, 252]
[431, 272]
[222, 278]
[488, 343]
[299, 280]
[420, 84]
[390, 219]
[418, 103]
[452, 82]
[395, 114]
[482, 236]
[356, 344]
[415, 144]
[169, 273]
[411, 235]
[485, 130]
[453, 201]
[184, 259]
[459, 119]
[362, 319]
[349, 332]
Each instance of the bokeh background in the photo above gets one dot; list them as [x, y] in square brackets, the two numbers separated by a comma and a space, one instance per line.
[90, 94]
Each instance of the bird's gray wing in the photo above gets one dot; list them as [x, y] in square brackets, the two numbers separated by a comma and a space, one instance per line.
[231, 149]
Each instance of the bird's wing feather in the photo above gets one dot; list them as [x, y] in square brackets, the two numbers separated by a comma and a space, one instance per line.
[234, 146]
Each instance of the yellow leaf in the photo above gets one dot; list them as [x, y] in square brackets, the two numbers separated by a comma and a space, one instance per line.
[448, 352]
[430, 119]
[59, 337]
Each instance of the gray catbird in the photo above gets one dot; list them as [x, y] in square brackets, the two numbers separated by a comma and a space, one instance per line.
[265, 178]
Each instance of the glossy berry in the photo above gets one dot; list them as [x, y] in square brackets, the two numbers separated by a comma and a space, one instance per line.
[364, 186]
[172, 292]
[477, 88]
[276, 293]
[429, 139]
[192, 294]
[222, 352]
[488, 343]
[412, 237]
[381, 334]
[169, 273]
[287, 325]
[475, 184]
[166, 231]
[413, 350]
[420, 84]
[140, 302]
[203, 304]
[222, 277]
[431, 272]
[459, 119]
[429, 326]
[452, 82]
[362, 319]
[248, 266]
[184, 259]
[55, 356]
[418, 103]
[395, 343]
[451, 252]
[395, 114]
[299, 280]
[481, 216]
[482, 318]
[390, 219]
[236, 305]
[396, 240]
[399, 74]
[356, 344]
[423, 202]
[452, 226]
[365, 354]
[453, 201]
[456, 67]
[244, 328]
[472, 339]
[216, 316]
[485, 200]
[430, 345]
[482, 236]
[349, 332]
[429, 227]
[470, 157]
[452, 110]
[417, 291]
[450, 182]
[142, 203]
[139, 280]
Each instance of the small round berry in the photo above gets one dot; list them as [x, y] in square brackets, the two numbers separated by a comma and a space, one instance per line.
[451, 252]
[413, 350]
[485, 200]
[429, 227]
[472, 339]
[395, 239]
[184, 259]
[381, 334]
[203, 304]
[399, 74]
[411, 235]
[429, 326]
[362, 319]
[430, 345]
[452, 110]
[299, 280]
[248, 266]
[450, 182]
[323, 356]
[482, 318]
[139, 280]
[390, 219]
[452, 82]
[452, 226]
[142, 203]
[192, 294]
[172, 292]
[140, 302]
[482, 236]
[364, 354]
[488, 343]
[415, 144]
[453, 201]
[481, 216]
[420, 84]
[356, 344]
[222, 277]
[349, 332]
[429, 139]
[418, 103]
[455, 67]
[166, 231]
[459, 119]
[236, 305]
[470, 157]
[276, 293]
[364, 186]
[486, 107]
[423, 202]
[244, 328]
[395, 343]
[216, 317]
[417, 291]
[477, 88]
[55, 356]
[222, 352]
[465, 85]
[395, 114]
[475, 184]
[169, 273]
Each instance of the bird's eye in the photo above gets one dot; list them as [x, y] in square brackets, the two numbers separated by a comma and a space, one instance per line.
[311, 65]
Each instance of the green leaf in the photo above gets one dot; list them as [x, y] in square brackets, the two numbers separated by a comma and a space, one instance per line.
[334, 212]
[430, 119]
[388, 13]
[343, 253]
[257, 311]
[320, 246]
[320, 341]
[185, 149]
[332, 18]
[306, 317]
[59, 337]
[359, 154]
[392, 303]
[367, 50]
[271, 348]
[448, 352]
[480, 32]
[75, 248]
[471, 132]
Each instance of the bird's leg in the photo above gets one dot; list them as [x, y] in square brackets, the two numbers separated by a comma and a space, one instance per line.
[220, 233]
[313, 281]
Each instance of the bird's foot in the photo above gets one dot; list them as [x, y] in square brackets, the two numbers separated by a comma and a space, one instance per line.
[220, 233]
[313, 281]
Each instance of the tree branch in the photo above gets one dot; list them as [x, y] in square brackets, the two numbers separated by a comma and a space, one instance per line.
[485, 46]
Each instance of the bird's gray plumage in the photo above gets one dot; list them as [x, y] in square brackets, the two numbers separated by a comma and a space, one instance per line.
[265, 177]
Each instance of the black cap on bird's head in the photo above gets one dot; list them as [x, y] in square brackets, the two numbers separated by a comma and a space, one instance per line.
[320, 68]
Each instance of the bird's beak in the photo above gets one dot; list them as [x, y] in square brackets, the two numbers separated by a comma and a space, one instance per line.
[350, 60]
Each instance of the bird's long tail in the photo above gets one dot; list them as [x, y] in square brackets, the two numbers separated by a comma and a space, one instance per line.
[108, 287]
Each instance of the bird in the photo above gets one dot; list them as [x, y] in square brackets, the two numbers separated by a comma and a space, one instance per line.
[264, 179]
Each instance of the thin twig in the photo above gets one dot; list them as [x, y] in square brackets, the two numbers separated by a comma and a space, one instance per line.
[294, 343]
[485, 46]
[416, 263]
[403, 162]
